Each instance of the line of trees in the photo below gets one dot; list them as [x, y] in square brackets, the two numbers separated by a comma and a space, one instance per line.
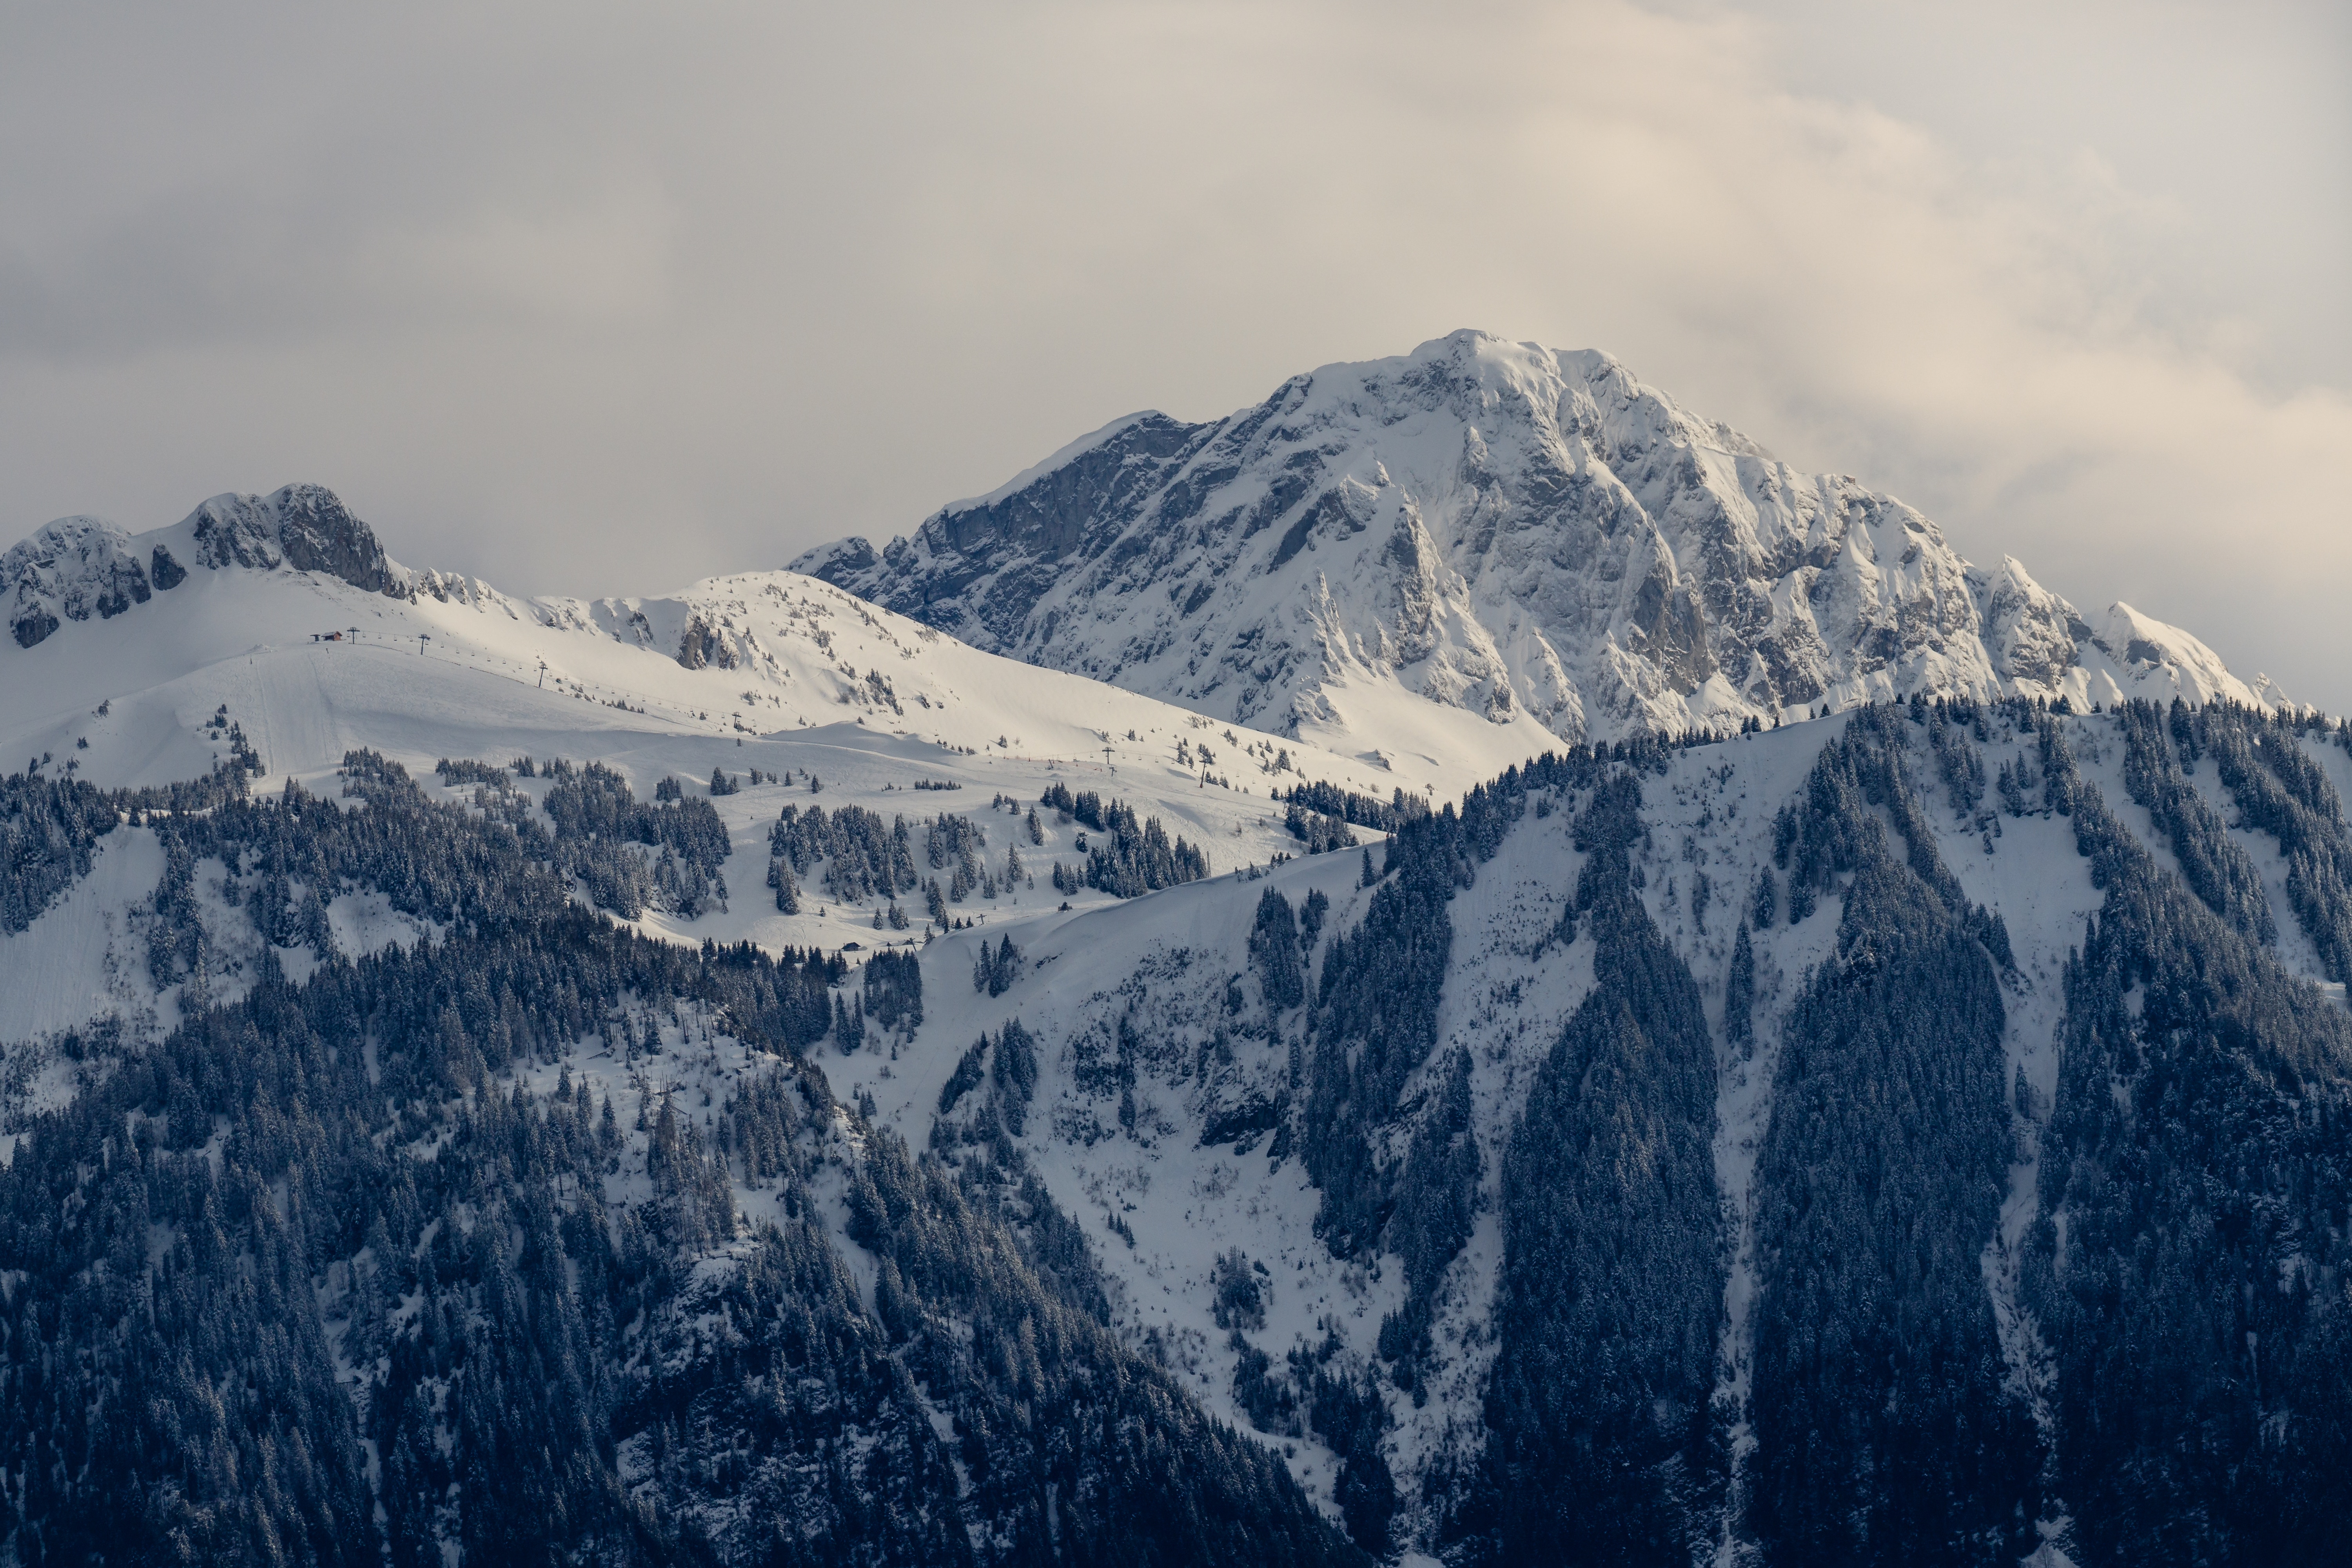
[1612, 1283]
[1321, 798]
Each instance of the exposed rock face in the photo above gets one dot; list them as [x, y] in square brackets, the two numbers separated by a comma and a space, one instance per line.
[235, 530]
[74, 567]
[78, 565]
[700, 647]
[1491, 525]
[306, 527]
[318, 534]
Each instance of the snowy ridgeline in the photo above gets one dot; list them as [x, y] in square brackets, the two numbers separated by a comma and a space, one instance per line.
[251, 621]
[1667, 1146]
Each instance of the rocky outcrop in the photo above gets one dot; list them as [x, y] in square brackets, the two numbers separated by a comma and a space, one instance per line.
[77, 566]
[698, 646]
[318, 534]
[306, 527]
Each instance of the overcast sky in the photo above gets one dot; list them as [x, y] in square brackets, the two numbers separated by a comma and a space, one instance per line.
[584, 298]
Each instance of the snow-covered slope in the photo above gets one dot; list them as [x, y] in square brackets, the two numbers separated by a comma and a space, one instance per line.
[317, 642]
[1492, 528]
[770, 671]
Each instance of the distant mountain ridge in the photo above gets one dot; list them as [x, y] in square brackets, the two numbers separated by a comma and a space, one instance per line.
[1500, 528]
[244, 573]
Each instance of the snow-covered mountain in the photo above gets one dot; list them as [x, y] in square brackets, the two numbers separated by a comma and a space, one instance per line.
[1914, 1131]
[270, 594]
[279, 627]
[1499, 529]
[77, 566]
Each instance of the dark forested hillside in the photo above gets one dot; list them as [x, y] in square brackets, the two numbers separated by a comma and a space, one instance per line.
[1918, 1138]
[1609, 1222]
[1885, 1434]
[2190, 1268]
[2169, 1381]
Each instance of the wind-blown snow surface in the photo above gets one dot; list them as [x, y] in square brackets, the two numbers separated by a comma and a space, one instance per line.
[1533, 537]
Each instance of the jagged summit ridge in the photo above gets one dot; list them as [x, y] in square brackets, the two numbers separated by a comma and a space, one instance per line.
[1495, 526]
[77, 566]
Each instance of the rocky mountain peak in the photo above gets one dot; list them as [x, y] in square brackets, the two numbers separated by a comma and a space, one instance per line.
[1526, 534]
